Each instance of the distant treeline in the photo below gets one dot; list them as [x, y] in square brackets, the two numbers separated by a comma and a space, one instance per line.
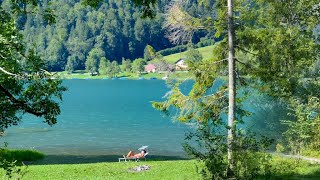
[115, 27]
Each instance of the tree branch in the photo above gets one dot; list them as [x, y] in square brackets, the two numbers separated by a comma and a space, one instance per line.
[22, 104]
[216, 62]
[245, 50]
[9, 73]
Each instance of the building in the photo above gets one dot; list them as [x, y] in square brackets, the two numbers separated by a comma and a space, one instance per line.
[181, 64]
[150, 68]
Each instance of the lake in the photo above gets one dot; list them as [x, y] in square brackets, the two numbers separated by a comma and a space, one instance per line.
[103, 117]
[111, 117]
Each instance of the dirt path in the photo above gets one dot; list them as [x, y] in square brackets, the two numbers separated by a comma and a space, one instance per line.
[312, 160]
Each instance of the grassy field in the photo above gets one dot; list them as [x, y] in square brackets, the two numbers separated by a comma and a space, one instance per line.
[73, 167]
[174, 169]
[205, 51]
[183, 169]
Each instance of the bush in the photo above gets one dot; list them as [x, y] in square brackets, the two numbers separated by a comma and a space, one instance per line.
[20, 155]
[250, 156]
[10, 159]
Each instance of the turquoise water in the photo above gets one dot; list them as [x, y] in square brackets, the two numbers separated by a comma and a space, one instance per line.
[103, 117]
[111, 117]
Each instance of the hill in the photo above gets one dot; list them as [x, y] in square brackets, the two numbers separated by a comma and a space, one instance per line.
[205, 51]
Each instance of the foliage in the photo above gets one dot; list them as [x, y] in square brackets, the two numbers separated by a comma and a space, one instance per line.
[162, 65]
[149, 53]
[193, 55]
[25, 85]
[173, 50]
[20, 155]
[277, 43]
[126, 65]
[111, 69]
[138, 65]
[251, 158]
[11, 161]
[115, 26]
[303, 130]
[115, 68]
[280, 36]
[71, 64]
[92, 62]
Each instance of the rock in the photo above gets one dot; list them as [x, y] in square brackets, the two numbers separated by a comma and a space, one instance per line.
[140, 168]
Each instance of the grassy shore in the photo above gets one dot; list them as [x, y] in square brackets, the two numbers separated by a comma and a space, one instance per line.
[160, 168]
[185, 169]
[175, 169]
[131, 76]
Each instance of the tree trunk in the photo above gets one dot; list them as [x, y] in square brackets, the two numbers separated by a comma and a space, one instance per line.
[232, 89]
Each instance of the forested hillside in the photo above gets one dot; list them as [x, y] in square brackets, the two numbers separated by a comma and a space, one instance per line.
[115, 29]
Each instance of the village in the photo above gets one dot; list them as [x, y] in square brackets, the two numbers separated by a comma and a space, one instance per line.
[179, 65]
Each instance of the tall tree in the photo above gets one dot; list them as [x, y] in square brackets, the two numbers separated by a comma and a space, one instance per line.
[274, 45]
[92, 63]
[231, 87]
[149, 53]
[126, 65]
[138, 65]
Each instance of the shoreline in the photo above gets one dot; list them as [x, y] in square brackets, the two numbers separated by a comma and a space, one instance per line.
[85, 159]
[123, 76]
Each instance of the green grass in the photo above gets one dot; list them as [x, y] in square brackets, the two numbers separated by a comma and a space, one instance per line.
[311, 153]
[281, 168]
[205, 51]
[285, 168]
[185, 169]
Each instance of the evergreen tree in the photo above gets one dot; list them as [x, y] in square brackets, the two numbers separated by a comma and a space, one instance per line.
[149, 53]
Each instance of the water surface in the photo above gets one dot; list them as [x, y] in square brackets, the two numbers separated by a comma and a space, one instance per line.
[103, 117]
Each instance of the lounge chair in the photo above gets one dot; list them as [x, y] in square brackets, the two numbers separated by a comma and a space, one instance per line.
[136, 158]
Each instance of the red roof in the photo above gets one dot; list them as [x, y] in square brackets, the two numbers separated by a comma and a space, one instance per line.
[150, 67]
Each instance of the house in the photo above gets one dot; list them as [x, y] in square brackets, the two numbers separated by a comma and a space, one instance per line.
[150, 68]
[181, 64]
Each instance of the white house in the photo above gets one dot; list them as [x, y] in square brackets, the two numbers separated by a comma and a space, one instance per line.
[181, 64]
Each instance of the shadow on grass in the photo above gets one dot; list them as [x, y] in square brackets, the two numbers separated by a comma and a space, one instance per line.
[311, 175]
[72, 159]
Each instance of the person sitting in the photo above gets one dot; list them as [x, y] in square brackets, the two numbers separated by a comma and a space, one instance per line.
[138, 155]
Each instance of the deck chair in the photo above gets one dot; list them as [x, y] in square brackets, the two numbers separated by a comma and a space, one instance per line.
[135, 158]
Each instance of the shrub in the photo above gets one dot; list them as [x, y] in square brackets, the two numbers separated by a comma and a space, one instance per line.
[209, 145]
[10, 159]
